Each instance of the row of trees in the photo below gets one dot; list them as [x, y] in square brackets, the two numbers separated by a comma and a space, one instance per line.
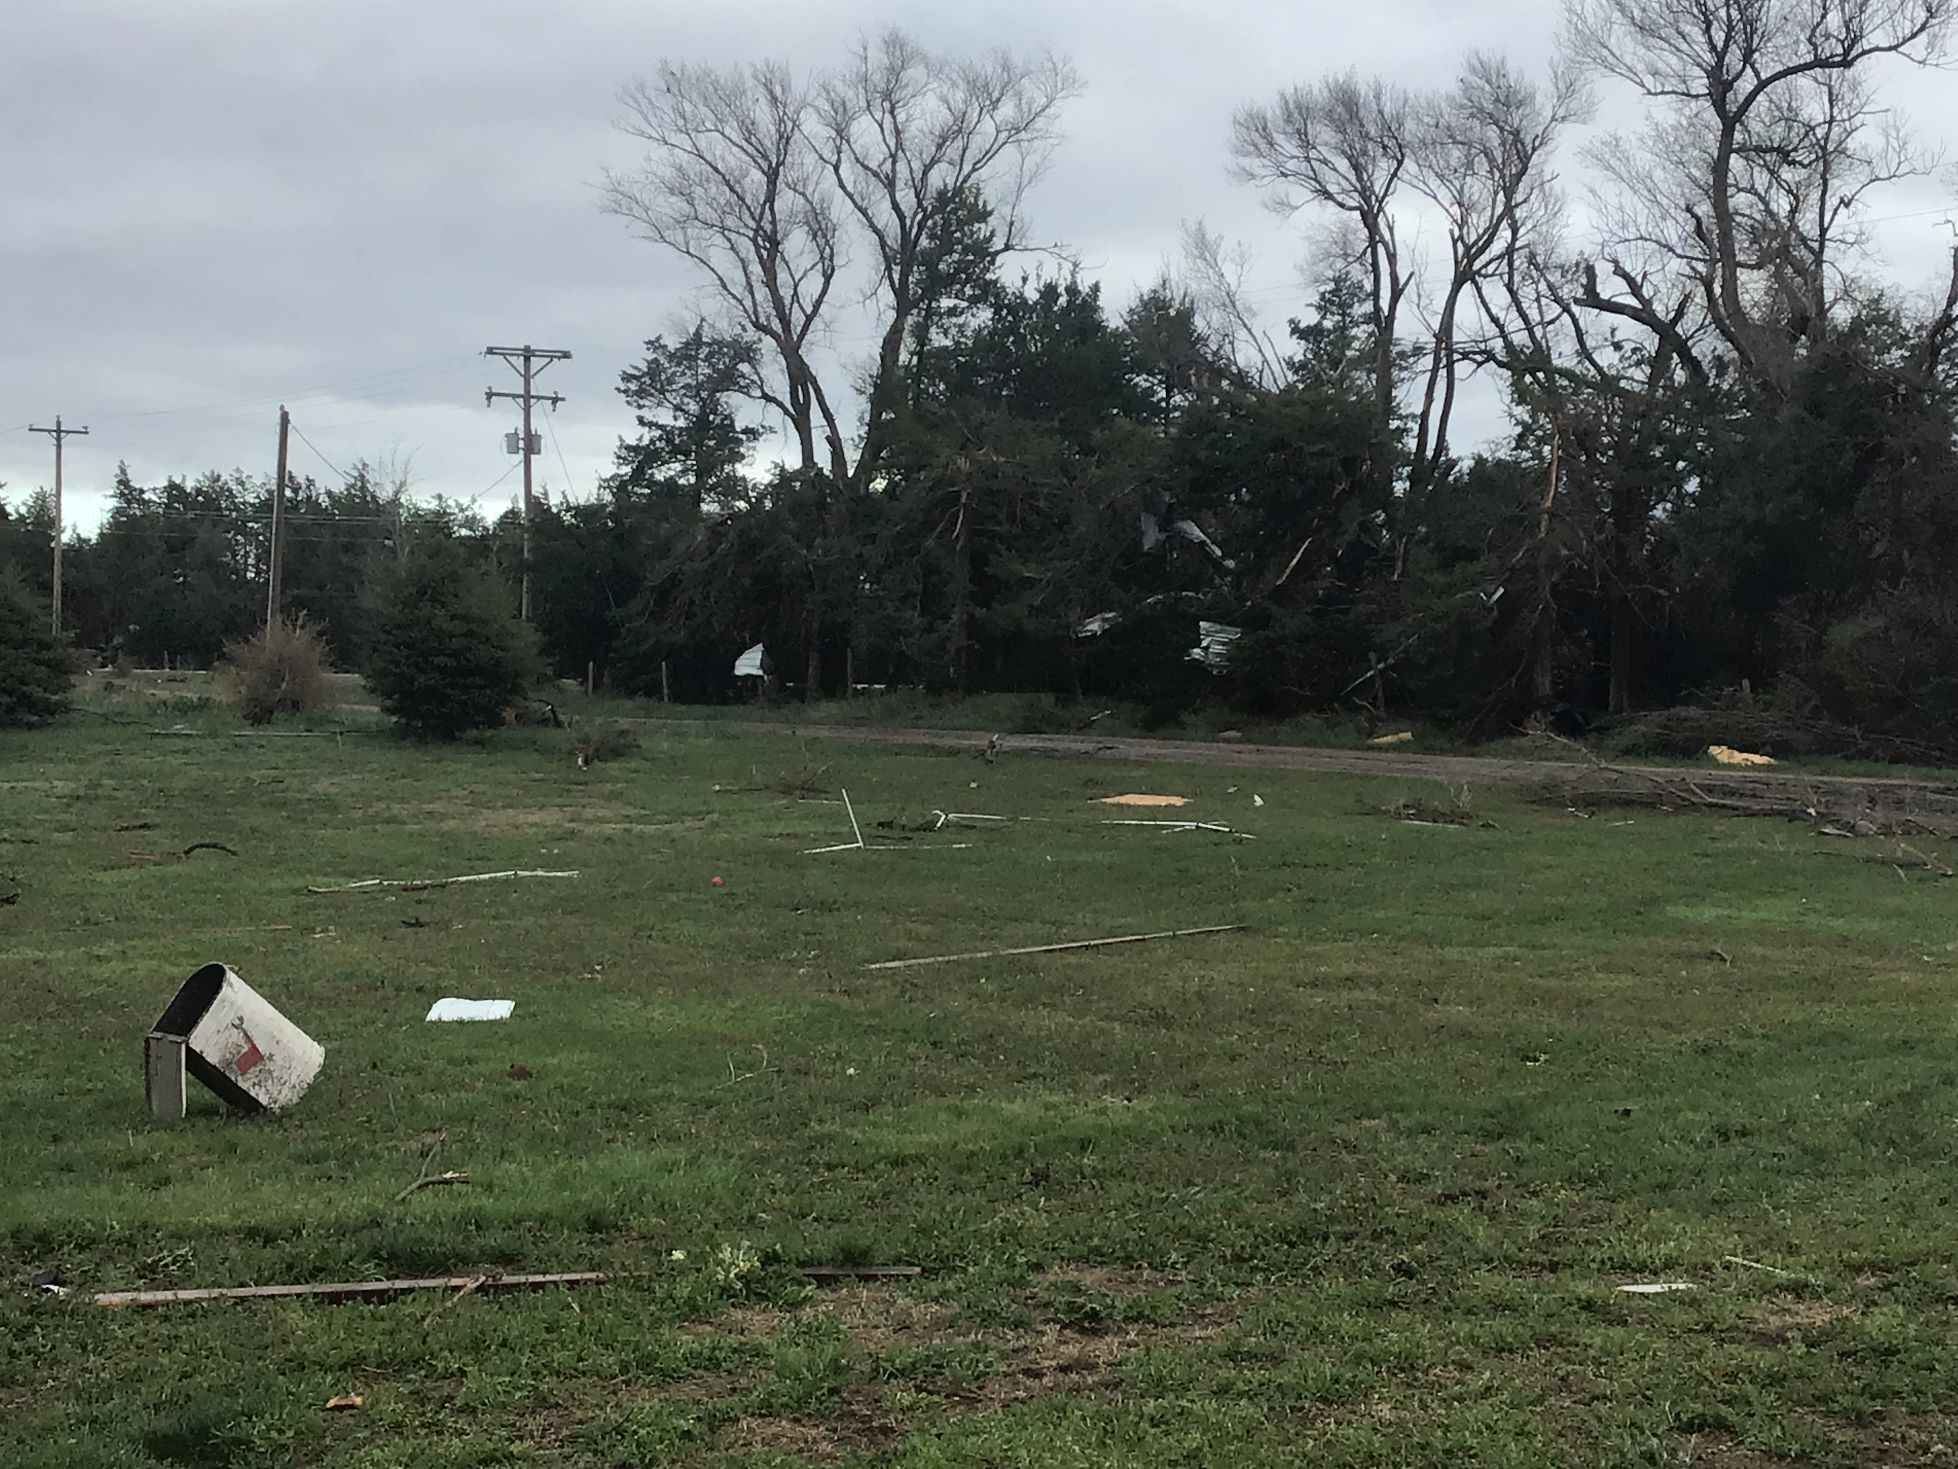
[1731, 451]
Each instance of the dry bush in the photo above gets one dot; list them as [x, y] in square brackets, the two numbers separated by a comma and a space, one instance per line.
[590, 747]
[283, 670]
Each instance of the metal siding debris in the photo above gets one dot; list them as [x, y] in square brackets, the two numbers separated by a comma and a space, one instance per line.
[1213, 649]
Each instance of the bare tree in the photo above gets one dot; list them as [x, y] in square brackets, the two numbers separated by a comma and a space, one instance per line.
[1214, 274]
[1763, 146]
[1371, 155]
[1479, 154]
[755, 177]
[1341, 144]
[731, 183]
[905, 135]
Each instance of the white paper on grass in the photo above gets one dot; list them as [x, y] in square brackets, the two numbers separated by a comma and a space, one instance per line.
[748, 665]
[450, 1008]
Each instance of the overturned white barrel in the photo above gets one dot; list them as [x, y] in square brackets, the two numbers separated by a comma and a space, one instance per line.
[227, 1035]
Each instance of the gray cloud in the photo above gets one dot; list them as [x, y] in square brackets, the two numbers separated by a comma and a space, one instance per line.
[209, 208]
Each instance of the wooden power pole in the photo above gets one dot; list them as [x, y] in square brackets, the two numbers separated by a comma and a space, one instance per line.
[58, 434]
[272, 560]
[528, 361]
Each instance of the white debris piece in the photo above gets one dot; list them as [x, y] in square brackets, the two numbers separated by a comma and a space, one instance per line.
[1094, 627]
[748, 665]
[1213, 649]
[450, 1008]
[1657, 1287]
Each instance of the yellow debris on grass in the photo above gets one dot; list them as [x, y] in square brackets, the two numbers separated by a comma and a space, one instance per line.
[1136, 798]
[1727, 755]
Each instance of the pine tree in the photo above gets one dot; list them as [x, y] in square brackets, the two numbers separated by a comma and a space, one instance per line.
[36, 669]
[447, 657]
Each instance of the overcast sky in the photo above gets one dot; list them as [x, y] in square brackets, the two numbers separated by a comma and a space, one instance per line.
[208, 207]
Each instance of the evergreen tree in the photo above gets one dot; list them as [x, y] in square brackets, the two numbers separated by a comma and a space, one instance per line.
[692, 444]
[36, 670]
[447, 655]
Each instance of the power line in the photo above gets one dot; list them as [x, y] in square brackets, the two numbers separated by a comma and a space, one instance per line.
[239, 405]
[551, 424]
[492, 484]
[319, 456]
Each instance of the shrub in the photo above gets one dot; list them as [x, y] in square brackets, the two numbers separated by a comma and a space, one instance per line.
[36, 669]
[589, 747]
[281, 671]
[447, 657]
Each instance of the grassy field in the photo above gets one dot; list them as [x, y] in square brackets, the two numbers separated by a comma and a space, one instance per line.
[1353, 1186]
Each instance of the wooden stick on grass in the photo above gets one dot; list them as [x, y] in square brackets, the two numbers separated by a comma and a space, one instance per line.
[1127, 938]
[418, 884]
[386, 1290]
[426, 1176]
[470, 1287]
[353, 1290]
[433, 1180]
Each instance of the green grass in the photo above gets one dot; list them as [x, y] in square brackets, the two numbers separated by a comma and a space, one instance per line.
[1350, 1187]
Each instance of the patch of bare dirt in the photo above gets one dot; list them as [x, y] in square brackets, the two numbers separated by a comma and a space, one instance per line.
[1107, 1279]
[585, 817]
[710, 1387]
[1717, 1451]
[1044, 1364]
[495, 819]
[1778, 1321]
[859, 1425]
[1042, 1361]
[878, 1319]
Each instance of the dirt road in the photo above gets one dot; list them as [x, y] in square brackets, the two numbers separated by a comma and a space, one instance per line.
[1447, 769]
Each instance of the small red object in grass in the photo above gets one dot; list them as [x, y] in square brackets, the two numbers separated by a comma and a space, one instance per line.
[720, 882]
[521, 1072]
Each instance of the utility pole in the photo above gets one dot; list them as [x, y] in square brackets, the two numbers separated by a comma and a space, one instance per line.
[272, 567]
[528, 361]
[58, 434]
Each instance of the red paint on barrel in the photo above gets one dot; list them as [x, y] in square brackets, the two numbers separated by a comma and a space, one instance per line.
[249, 1057]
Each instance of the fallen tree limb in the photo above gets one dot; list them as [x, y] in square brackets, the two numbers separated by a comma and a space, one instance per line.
[182, 733]
[387, 1290]
[475, 1284]
[184, 855]
[889, 847]
[416, 885]
[433, 1180]
[1182, 826]
[351, 1290]
[1127, 938]
[1834, 808]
